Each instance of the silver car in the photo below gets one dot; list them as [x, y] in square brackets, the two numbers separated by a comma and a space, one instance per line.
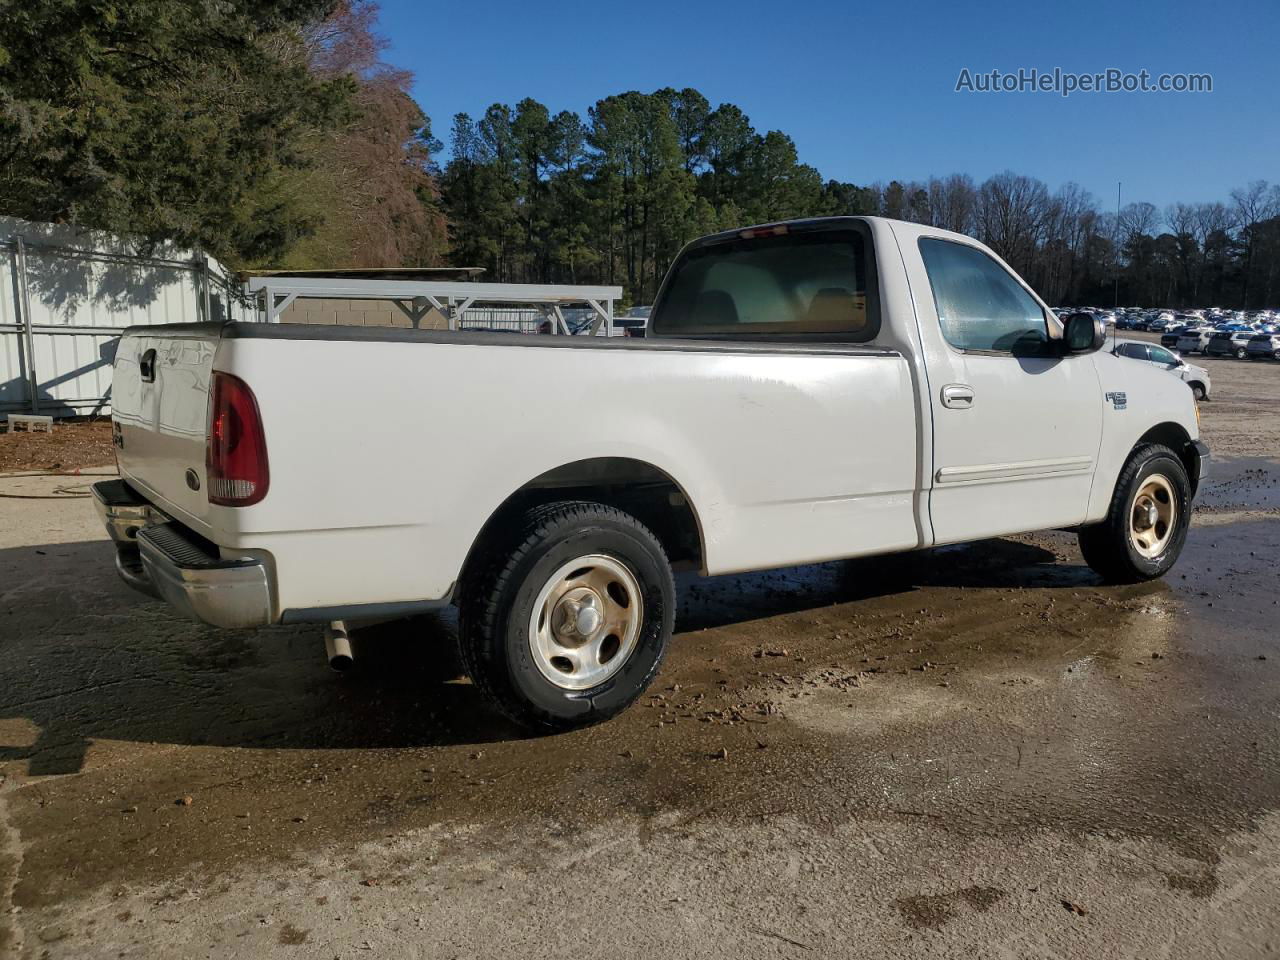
[1197, 378]
[1229, 343]
[1264, 346]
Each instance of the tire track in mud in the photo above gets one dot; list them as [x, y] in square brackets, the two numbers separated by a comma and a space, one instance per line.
[11, 935]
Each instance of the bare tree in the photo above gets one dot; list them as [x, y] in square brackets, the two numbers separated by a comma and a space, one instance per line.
[378, 173]
[1138, 220]
[1253, 204]
[953, 203]
[1011, 213]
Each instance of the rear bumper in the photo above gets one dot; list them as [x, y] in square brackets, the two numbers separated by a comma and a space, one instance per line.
[163, 559]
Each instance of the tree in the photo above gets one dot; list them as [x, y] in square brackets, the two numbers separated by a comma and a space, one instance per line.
[613, 196]
[1252, 205]
[1012, 210]
[164, 119]
[953, 203]
[372, 182]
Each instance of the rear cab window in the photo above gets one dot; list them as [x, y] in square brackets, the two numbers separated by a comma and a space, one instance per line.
[779, 283]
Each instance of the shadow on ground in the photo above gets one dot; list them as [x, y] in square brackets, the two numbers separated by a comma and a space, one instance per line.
[88, 659]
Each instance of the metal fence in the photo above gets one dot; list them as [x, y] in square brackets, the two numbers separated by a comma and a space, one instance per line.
[67, 295]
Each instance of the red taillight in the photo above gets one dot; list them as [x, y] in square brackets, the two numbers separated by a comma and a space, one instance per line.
[236, 453]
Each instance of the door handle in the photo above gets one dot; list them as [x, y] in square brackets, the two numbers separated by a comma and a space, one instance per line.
[957, 396]
[147, 366]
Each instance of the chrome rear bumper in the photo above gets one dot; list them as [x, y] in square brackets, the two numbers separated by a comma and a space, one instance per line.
[161, 558]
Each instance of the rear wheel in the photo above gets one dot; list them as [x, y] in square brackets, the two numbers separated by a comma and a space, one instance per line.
[1197, 390]
[1146, 524]
[1241, 353]
[565, 621]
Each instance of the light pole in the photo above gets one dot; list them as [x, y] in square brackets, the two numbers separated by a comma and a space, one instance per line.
[1116, 305]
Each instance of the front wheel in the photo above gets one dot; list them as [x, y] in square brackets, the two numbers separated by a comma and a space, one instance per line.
[564, 622]
[1146, 524]
[1197, 391]
[1241, 353]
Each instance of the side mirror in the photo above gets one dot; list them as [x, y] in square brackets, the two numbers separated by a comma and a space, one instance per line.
[1084, 333]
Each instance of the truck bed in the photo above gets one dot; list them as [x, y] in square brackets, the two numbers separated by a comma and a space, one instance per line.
[390, 448]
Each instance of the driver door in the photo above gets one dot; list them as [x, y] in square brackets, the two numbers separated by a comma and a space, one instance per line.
[1016, 425]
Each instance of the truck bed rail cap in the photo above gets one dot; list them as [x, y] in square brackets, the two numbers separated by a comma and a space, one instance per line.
[308, 331]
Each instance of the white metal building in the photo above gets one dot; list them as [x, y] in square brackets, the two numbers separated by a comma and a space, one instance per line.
[66, 295]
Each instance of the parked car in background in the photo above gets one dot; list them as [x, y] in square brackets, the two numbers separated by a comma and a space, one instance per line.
[1263, 346]
[1197, 378]
[633, 323]
[1229, 343]
[1191, 340]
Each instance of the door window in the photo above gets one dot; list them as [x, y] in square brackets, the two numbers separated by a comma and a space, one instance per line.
[1134, 351]
[980, 305]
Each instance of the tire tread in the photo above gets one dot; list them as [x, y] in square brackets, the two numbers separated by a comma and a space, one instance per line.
[484, 589]
[1103, 544]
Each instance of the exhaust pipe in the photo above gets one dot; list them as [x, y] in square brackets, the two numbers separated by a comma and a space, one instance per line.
[337, 646]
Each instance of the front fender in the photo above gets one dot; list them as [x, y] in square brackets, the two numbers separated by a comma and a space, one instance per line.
[1137, 399]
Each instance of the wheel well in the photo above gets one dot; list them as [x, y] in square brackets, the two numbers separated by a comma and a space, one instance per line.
[1176, 438]
[633, 486]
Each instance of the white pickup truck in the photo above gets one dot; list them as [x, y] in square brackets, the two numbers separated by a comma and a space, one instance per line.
[810, 390]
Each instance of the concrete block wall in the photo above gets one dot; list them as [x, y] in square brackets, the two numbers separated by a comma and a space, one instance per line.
[359, 313]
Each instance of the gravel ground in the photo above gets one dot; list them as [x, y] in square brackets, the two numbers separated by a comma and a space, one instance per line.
[975, 752]
[71, 446]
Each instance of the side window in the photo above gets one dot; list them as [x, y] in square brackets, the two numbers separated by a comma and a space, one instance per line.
[1161, 355]
[980, 306]
[1135, 351]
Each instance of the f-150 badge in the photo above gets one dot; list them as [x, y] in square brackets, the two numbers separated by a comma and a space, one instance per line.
[1118, 399]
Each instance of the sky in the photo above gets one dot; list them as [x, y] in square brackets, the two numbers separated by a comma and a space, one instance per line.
[868, 90]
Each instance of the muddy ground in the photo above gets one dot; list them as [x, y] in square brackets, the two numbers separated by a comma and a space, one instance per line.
[976, 752]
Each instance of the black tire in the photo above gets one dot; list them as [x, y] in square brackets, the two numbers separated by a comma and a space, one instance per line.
[1108, 547]
[1197, 391]
[502, 585]
[1241, 353]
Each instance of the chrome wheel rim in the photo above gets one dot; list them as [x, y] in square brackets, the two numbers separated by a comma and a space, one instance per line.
[1152, 516]
[585, 622]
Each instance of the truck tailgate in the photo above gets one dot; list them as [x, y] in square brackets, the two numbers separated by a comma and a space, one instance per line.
[160, 406]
